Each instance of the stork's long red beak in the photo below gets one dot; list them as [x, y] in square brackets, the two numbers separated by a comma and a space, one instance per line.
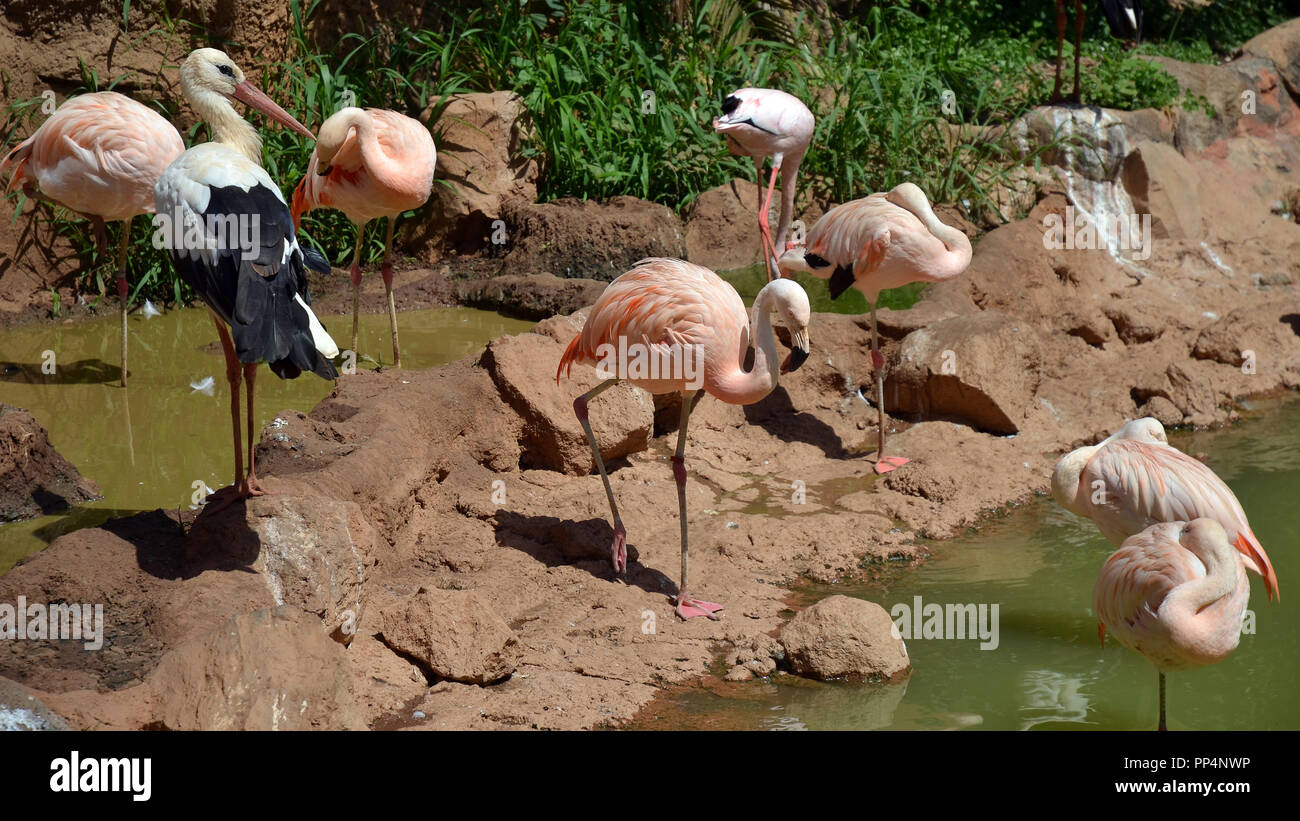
[248, 94]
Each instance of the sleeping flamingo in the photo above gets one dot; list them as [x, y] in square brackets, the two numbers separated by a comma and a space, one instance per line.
[1133, 479]
[1176, 593]
[690, 320]
[764, 122]
[879, 242]
[368, 164]
[99, 154]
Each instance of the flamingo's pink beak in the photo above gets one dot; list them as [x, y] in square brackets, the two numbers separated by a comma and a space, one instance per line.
[250, 95]
[1250, 548]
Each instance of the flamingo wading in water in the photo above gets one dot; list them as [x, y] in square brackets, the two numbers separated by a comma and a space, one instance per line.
[688, 316]
[882, 241]
[258, 289]
[369, 163]
[1176, 593]
[99, 154]
[764, 122]
[1134, 478]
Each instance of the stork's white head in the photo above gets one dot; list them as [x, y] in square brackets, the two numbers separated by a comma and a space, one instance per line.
[210, 79]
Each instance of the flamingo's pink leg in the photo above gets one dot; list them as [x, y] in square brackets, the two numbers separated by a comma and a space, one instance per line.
[387, 272]
[355, 271]
[764, 227]
[618, 550]
[123, 292]
[884, 463]
[687, 607]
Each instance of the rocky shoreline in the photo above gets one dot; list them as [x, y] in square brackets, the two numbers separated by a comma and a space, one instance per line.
[444, 528]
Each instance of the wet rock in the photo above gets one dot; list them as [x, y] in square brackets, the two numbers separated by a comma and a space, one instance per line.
[20, 710]
[265, 670]
[584, 238]
[622, 417]
[454, 634]
[844, 637]
[314, 557]
[539, 296]
[34, 479]
[981, 369]
[1162, 409]
[479, 137]
[722, 228]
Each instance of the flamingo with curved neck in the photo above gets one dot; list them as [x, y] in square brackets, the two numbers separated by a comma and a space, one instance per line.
[1175, 593]
[882, 241]
[693, 326]
[369, 163]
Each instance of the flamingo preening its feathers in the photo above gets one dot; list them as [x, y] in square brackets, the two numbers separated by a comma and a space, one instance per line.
[232, 240]
[100, 155]
[369, 163]
[1134, 478]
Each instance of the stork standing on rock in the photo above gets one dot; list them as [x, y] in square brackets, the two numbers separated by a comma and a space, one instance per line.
[764, 122]
[99, 154]
[237, 246]
[879, 242]
[1124, 18]
[369, 164]
[693, 323]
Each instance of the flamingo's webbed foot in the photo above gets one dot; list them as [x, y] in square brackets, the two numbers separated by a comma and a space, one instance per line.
[688, 608]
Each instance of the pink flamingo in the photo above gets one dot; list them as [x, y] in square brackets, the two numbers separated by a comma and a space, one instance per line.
[1133, 479]
[99, 154]
[879, 242]
[764, 122]
[368, 164]
[1176, 593]
[692, 323]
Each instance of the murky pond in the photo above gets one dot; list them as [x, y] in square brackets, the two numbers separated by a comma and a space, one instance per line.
[748, 281]
[1048, 671]
[146, 446]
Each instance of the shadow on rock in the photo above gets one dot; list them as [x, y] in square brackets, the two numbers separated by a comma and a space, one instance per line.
[777, 415]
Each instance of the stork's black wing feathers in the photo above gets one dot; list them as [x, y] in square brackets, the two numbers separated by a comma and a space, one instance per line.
[1118, 17]
[251, 285]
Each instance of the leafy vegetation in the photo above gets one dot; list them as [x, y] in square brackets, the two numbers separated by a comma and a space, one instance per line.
[621, 95]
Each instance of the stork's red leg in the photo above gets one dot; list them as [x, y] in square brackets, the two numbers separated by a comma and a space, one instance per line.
[234, 375]
[1078, 46]
[252, 486]
[1060, 46]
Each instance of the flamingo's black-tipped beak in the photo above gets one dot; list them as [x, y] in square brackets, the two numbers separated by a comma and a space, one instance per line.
[798, 353]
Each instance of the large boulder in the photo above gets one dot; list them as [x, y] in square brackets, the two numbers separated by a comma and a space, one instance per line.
[314, 557]
[1161, 182]
[584, 238]
[982, 369]
[34, 479]
[480, 169]
[265, 670]
[844, 637]
[622, 417]
[1279, 45]
[454, 634]
[722, 228]
[539, 296]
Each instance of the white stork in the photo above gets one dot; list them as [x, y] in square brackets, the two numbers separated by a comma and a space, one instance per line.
[227, 228]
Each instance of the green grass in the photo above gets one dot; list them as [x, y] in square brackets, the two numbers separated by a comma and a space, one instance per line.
[876, 82]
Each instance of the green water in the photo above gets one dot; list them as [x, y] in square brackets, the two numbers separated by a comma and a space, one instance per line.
[1039, 564]
[146, 445]
[748, 281]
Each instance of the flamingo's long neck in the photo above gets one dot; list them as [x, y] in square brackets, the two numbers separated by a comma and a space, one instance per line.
[224, 122]
[740, 387]
[1189, 600]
